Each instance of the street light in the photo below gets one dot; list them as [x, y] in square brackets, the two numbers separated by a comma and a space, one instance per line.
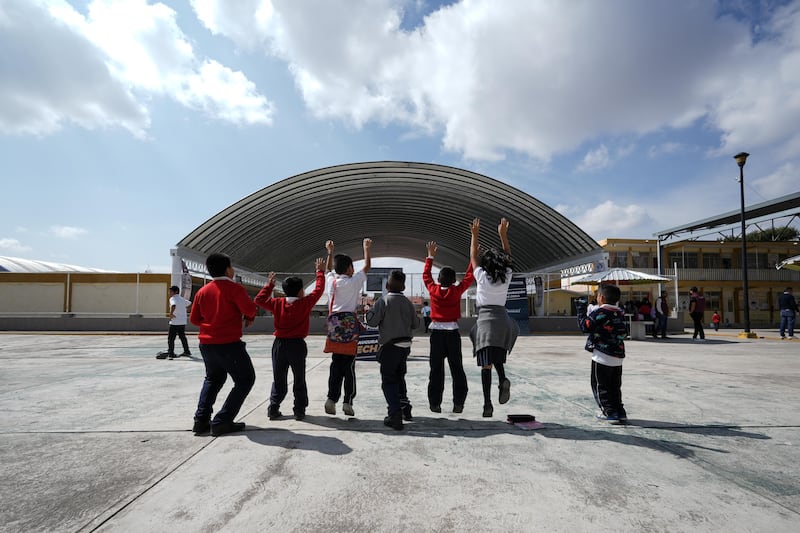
[741, 159]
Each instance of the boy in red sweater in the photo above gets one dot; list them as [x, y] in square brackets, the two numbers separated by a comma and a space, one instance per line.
[218, 311]
[289, 349]
[445, 337]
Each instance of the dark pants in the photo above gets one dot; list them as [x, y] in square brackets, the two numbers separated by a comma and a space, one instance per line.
[343, 368]
[607, 388]
[286, 354]
[446, 344]
[427, 321]
[179, 331]
[393, 377]
[221, 360]
[660, 326]
[697, 318]
[787, 322]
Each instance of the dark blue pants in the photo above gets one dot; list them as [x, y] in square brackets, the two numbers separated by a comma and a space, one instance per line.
[446, 344]
[343, 368]
[607, 388]
[660, 326]
[177, 331]
[286, 354]
[221, 360]
[393, 377]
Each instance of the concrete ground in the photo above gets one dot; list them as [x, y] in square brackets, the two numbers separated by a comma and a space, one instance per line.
[95, 437]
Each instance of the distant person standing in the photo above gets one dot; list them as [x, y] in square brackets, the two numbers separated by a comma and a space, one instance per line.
[177, 324]
[789, 309]
[697, 306]
[426, 316]
[662, 313]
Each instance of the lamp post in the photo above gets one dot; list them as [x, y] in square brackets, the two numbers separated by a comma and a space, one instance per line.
[741, 159]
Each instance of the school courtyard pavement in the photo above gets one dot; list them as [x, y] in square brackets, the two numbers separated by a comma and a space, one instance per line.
[95, 437]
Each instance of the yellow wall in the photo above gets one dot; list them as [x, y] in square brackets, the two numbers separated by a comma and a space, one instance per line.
[118, 298]
[32, 297]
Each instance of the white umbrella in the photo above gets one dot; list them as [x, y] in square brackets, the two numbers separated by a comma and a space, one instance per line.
[620, 276]
[793, 263]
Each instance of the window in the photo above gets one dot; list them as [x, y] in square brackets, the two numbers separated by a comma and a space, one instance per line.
[618, 259]
[640, 259]
[757, 260]
[713, 300]
[712, 260]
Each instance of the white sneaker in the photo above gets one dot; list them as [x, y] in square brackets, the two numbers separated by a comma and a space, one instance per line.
[348, 409]
[330, 407]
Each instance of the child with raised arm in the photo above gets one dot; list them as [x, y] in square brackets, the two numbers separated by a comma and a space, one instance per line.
[289, 348]
[494, 333]
[395, 317]
[218, 310]
[606, 341]
[344, 290]
[445, 338]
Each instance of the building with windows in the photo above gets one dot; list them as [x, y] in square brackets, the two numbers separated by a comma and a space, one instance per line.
[714, 266]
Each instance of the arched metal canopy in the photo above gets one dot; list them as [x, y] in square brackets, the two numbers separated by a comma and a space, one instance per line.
[400, 205]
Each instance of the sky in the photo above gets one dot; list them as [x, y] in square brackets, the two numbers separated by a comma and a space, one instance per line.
[125, 124]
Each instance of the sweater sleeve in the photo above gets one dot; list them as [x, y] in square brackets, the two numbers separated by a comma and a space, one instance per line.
[375, 315]
[246, 306]
[466, 283]
[264, 298]
[427, 277]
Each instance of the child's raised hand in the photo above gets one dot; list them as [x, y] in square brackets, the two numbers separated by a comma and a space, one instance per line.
[432, 248]
[502, 228]
[367, 243]
[272, 277]
[319, 264]
[475, 226]
[329, 246]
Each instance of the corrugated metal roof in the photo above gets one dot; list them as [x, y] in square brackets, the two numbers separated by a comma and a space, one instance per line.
[18, 264]
[400, 205]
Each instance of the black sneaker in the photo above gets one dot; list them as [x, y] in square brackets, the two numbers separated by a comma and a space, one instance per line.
[273, 412]
[394, 422]
[505, 391]
[221, 428]
[406, 410]
[458, 408]
[164, 355]
[488, 411]
[201, 427]
[436, 408]
[186, 354]
[299, 414]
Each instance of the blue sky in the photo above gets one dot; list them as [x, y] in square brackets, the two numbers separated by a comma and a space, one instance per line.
[125, 124]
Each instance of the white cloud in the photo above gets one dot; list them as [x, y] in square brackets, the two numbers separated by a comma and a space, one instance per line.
[609, 219]
[538, 78]
[785, 180]
[13, 245]
[51, 75]
[67, 232]
[99, 70]
[596, 159]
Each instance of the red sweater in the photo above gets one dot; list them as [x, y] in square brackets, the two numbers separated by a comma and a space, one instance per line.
[291, 318]
[218, 309]
[445, 301]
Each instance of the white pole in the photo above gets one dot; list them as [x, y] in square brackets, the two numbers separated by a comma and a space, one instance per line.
[675, 266]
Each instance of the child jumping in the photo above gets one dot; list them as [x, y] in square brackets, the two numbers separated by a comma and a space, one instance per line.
[445, 338]
[606, 328]
[289, 349]
[344, 289]
[395, 317]
[494, 333]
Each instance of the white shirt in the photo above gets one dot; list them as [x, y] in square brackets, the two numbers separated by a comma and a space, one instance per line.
[348, 289]
[489, 293]
[180, 304]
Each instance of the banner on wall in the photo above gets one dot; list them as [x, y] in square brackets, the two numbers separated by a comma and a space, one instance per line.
[517, 302]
